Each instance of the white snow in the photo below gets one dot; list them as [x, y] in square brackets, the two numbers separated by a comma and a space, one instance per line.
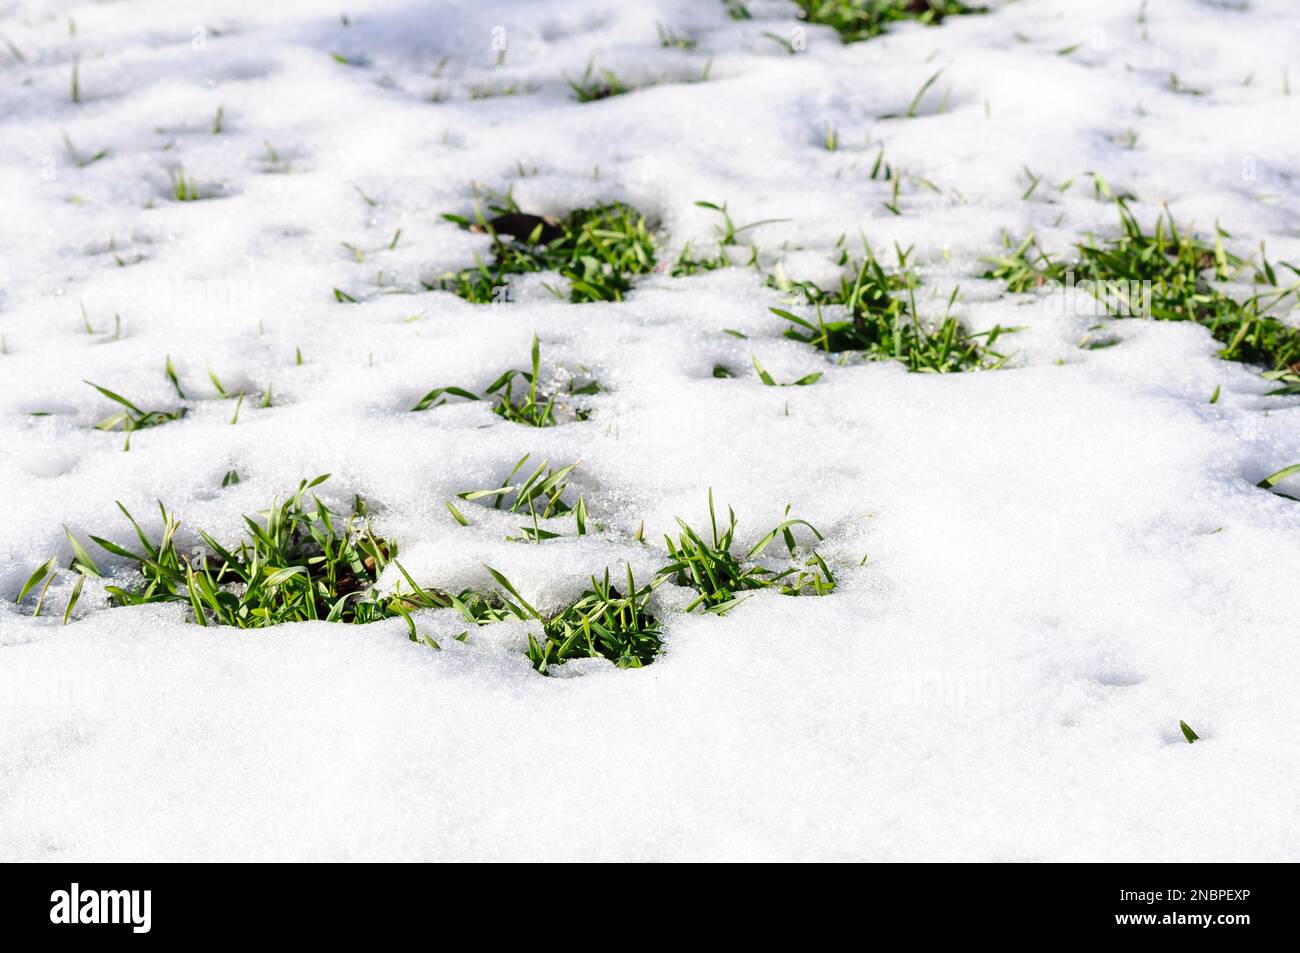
[1065, 558]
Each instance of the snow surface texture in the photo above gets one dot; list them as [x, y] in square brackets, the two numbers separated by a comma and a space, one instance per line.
[1065, 557]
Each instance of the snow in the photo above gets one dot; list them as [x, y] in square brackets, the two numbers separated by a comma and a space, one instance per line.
[1064, 558]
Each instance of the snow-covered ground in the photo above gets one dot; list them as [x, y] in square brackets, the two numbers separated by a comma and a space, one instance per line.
[1065, 558]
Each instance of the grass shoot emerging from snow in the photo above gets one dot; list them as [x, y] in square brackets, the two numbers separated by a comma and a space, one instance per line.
[1271, 481]
[857, 20]
[517, 396]
[299, 561]
[597, 250]
[131, 418]
[82, 159]
[712, 570]
[590, 87]
[540, 497]
[183, 188]
[881, 320]
[594, 85]
[1170, 275]
[603, 622]
[689, 264]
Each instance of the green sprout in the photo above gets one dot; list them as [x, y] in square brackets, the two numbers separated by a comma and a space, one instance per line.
[597, 250]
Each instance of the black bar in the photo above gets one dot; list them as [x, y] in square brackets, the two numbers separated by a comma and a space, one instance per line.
[332, 903]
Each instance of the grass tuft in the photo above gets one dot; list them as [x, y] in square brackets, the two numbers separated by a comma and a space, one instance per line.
[590, 86]
[882, 322]
[669, 38]
[858, 20]
[1170, 275]
[529, 405]
[770, 381]
[184, 188]
[1271, 481]
[1289, 380]
[597, 250]
[81, 159]
[914, 106]
[540, 497]
[298, 562]
[719, 577]
[480, 92]
[131, 418]
[603, 622]
[301, 561]
[687, 264]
